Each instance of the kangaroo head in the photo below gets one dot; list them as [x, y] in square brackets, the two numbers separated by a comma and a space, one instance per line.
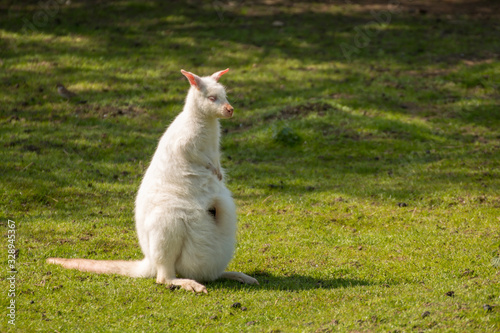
[208, 95]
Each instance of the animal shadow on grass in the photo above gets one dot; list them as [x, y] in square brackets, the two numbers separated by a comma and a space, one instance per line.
[291, 282]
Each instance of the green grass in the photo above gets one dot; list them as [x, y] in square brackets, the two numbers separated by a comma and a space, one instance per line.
[367, 190]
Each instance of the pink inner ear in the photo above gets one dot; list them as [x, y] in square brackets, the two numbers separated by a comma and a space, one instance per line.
[191, 78]
[216, 76]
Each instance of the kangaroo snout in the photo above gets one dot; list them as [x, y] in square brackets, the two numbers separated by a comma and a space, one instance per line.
[228, 110]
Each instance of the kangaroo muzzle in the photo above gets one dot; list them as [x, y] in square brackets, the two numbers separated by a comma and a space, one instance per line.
[228, 110]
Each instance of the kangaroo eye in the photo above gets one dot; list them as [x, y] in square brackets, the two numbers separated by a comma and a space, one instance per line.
[212, 98]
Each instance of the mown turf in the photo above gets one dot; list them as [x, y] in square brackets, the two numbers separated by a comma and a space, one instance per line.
[363, 157]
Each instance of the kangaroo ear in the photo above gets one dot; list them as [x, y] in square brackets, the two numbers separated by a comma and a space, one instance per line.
[194, 79]
[216, 76]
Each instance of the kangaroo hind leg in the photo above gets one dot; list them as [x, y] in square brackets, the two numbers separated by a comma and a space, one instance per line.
[166, 239]
[237, 276]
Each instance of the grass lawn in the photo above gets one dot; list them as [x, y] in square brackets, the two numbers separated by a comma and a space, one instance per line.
[364, 158]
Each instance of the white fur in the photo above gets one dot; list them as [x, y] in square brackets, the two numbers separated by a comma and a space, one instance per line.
[177, 232]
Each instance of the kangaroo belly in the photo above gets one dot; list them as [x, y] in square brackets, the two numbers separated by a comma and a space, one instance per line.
[209, 241]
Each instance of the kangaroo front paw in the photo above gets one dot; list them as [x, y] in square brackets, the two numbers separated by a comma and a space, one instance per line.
[215, 171]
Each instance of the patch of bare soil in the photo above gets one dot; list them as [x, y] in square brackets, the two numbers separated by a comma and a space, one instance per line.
[481, 8]
[471, 8]
[107, 111]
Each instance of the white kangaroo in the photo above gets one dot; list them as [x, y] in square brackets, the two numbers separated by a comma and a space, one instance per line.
[185, 216]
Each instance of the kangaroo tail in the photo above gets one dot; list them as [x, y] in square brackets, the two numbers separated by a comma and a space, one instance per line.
[128, 268]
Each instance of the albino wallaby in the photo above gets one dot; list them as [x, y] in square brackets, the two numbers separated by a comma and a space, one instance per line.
[185, 216]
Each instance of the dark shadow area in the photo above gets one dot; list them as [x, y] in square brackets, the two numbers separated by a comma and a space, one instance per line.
[293, 282]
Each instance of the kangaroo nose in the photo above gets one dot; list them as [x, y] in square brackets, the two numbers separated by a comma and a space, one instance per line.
[229, 110]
